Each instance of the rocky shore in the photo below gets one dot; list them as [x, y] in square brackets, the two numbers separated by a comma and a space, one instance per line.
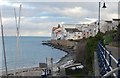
[69, 56]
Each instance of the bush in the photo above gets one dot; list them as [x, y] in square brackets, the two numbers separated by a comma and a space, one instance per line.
[90, 49]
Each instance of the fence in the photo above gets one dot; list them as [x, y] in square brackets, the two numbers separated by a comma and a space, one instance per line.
[105, 58]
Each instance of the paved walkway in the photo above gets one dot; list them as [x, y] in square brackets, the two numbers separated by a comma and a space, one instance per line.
[115, 53]
[96, 67]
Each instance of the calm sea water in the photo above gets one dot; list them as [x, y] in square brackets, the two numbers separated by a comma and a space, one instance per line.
[31, 52]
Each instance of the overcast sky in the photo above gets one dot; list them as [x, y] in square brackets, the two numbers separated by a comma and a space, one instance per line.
[38, 18]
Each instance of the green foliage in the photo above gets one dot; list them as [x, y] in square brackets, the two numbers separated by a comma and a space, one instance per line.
[90, 49]
[109, 36]
[118, 32]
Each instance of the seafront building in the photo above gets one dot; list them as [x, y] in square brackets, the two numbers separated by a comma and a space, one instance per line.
[108, 25]
[72, 34]
[57, 33]
[115, 23]
[79, 31]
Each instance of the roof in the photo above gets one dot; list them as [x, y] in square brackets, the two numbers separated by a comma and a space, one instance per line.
[54, 28]
[72, 30]
[108, 21]
[116, 19]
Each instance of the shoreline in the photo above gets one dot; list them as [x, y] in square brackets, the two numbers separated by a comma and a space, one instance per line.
[69, 56]
[36, 71]
[30, 71]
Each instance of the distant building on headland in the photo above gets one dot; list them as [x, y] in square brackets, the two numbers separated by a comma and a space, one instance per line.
[79, 31]
[57, 32]
[73, 33]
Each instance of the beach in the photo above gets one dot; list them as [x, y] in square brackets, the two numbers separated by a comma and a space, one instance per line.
[36, 71]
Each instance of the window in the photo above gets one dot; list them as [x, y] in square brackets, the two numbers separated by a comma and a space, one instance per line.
[78, 36]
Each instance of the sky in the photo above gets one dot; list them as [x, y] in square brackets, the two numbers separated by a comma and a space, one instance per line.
[38, 17]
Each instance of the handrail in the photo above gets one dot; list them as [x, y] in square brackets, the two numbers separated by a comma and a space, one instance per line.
[111, 72]
[107, 63]
[109, 53]
[103, 53]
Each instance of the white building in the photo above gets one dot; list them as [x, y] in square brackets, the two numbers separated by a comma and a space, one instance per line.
[88, 30]
[57, 33]
[109, 25]
[115, 23]
[73, 34]
[79, 31]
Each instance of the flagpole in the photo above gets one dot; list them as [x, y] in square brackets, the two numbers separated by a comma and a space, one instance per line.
[16, 44]
[3, 42]
[17, 41]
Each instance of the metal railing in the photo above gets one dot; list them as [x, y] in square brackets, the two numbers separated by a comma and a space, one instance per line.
[105, 59]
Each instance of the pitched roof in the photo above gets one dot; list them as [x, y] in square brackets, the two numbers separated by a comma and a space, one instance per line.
[108, 21]
[72, 30]
[116, 19]
[54, 28]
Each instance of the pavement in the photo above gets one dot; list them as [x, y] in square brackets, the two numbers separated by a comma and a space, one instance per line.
[115, 53]
[96, 66]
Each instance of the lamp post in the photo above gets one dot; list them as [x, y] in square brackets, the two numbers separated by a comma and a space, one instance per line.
[104, 6]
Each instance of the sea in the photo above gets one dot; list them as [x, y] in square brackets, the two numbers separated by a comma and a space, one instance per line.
[30, 53]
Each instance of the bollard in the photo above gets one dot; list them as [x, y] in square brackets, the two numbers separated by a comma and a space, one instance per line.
[110, 59]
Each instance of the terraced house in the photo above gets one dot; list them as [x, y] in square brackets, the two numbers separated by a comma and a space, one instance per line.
[79, 31]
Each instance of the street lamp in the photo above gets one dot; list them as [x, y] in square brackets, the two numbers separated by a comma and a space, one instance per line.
[104, 6]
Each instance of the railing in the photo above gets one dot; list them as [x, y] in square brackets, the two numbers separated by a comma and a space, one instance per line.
[105, 59]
